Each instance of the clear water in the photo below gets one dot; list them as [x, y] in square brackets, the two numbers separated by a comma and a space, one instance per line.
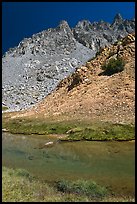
[110, 164]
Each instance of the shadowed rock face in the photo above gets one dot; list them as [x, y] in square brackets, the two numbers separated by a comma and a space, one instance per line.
[34, 68]
[97, 35]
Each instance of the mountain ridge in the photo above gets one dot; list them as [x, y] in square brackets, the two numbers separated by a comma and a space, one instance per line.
[39, 63]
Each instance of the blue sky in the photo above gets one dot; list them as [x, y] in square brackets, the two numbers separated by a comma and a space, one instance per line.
[23, 19]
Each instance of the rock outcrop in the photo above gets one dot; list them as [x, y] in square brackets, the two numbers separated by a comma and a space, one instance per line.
[98, 35]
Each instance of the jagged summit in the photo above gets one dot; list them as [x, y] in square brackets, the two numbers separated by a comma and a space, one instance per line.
[83, 24]
[97, 35]
[33, 69]
[118, 21]
[38, 63]
[63, 24]
[64, 27]
[118, 18]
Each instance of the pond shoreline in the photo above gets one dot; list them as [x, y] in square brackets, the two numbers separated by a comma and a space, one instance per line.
[109, 163]
[72, 130]
[19, 175]
[60, 137]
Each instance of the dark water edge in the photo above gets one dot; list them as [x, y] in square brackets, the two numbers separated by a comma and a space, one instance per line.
[111, 164]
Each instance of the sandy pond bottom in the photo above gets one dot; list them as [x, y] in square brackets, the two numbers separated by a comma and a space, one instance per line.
[110, 164]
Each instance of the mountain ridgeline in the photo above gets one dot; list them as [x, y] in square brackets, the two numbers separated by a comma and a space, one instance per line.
[34, 68]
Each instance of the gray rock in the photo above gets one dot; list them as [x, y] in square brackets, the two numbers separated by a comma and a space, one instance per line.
[39, 70]
[97, 35]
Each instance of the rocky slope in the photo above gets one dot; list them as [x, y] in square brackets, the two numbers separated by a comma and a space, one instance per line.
[34, 68]
[88, 94]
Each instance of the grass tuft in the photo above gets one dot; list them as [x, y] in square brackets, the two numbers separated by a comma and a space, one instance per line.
[82, 187]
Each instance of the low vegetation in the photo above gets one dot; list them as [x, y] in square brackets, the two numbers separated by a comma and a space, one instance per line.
[82, 187]
[104, 131]
[19, 185]
[113, 66]
[74, 130]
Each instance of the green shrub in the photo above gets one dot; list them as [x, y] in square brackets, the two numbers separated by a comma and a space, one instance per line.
[82, 187]
[113, 66]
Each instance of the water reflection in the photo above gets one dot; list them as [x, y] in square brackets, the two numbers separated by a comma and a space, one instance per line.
[108, 163]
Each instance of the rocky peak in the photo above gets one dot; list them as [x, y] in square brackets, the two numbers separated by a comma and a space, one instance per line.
[83, 24]
[38, 63]
[118, 18]
[97, 35]
[63, 25]
[102, 25]
[118, 23]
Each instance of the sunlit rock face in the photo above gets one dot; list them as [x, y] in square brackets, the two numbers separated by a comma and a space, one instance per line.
[33, 69]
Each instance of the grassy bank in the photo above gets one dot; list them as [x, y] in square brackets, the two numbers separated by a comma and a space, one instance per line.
[74, 130]
[19, 186]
